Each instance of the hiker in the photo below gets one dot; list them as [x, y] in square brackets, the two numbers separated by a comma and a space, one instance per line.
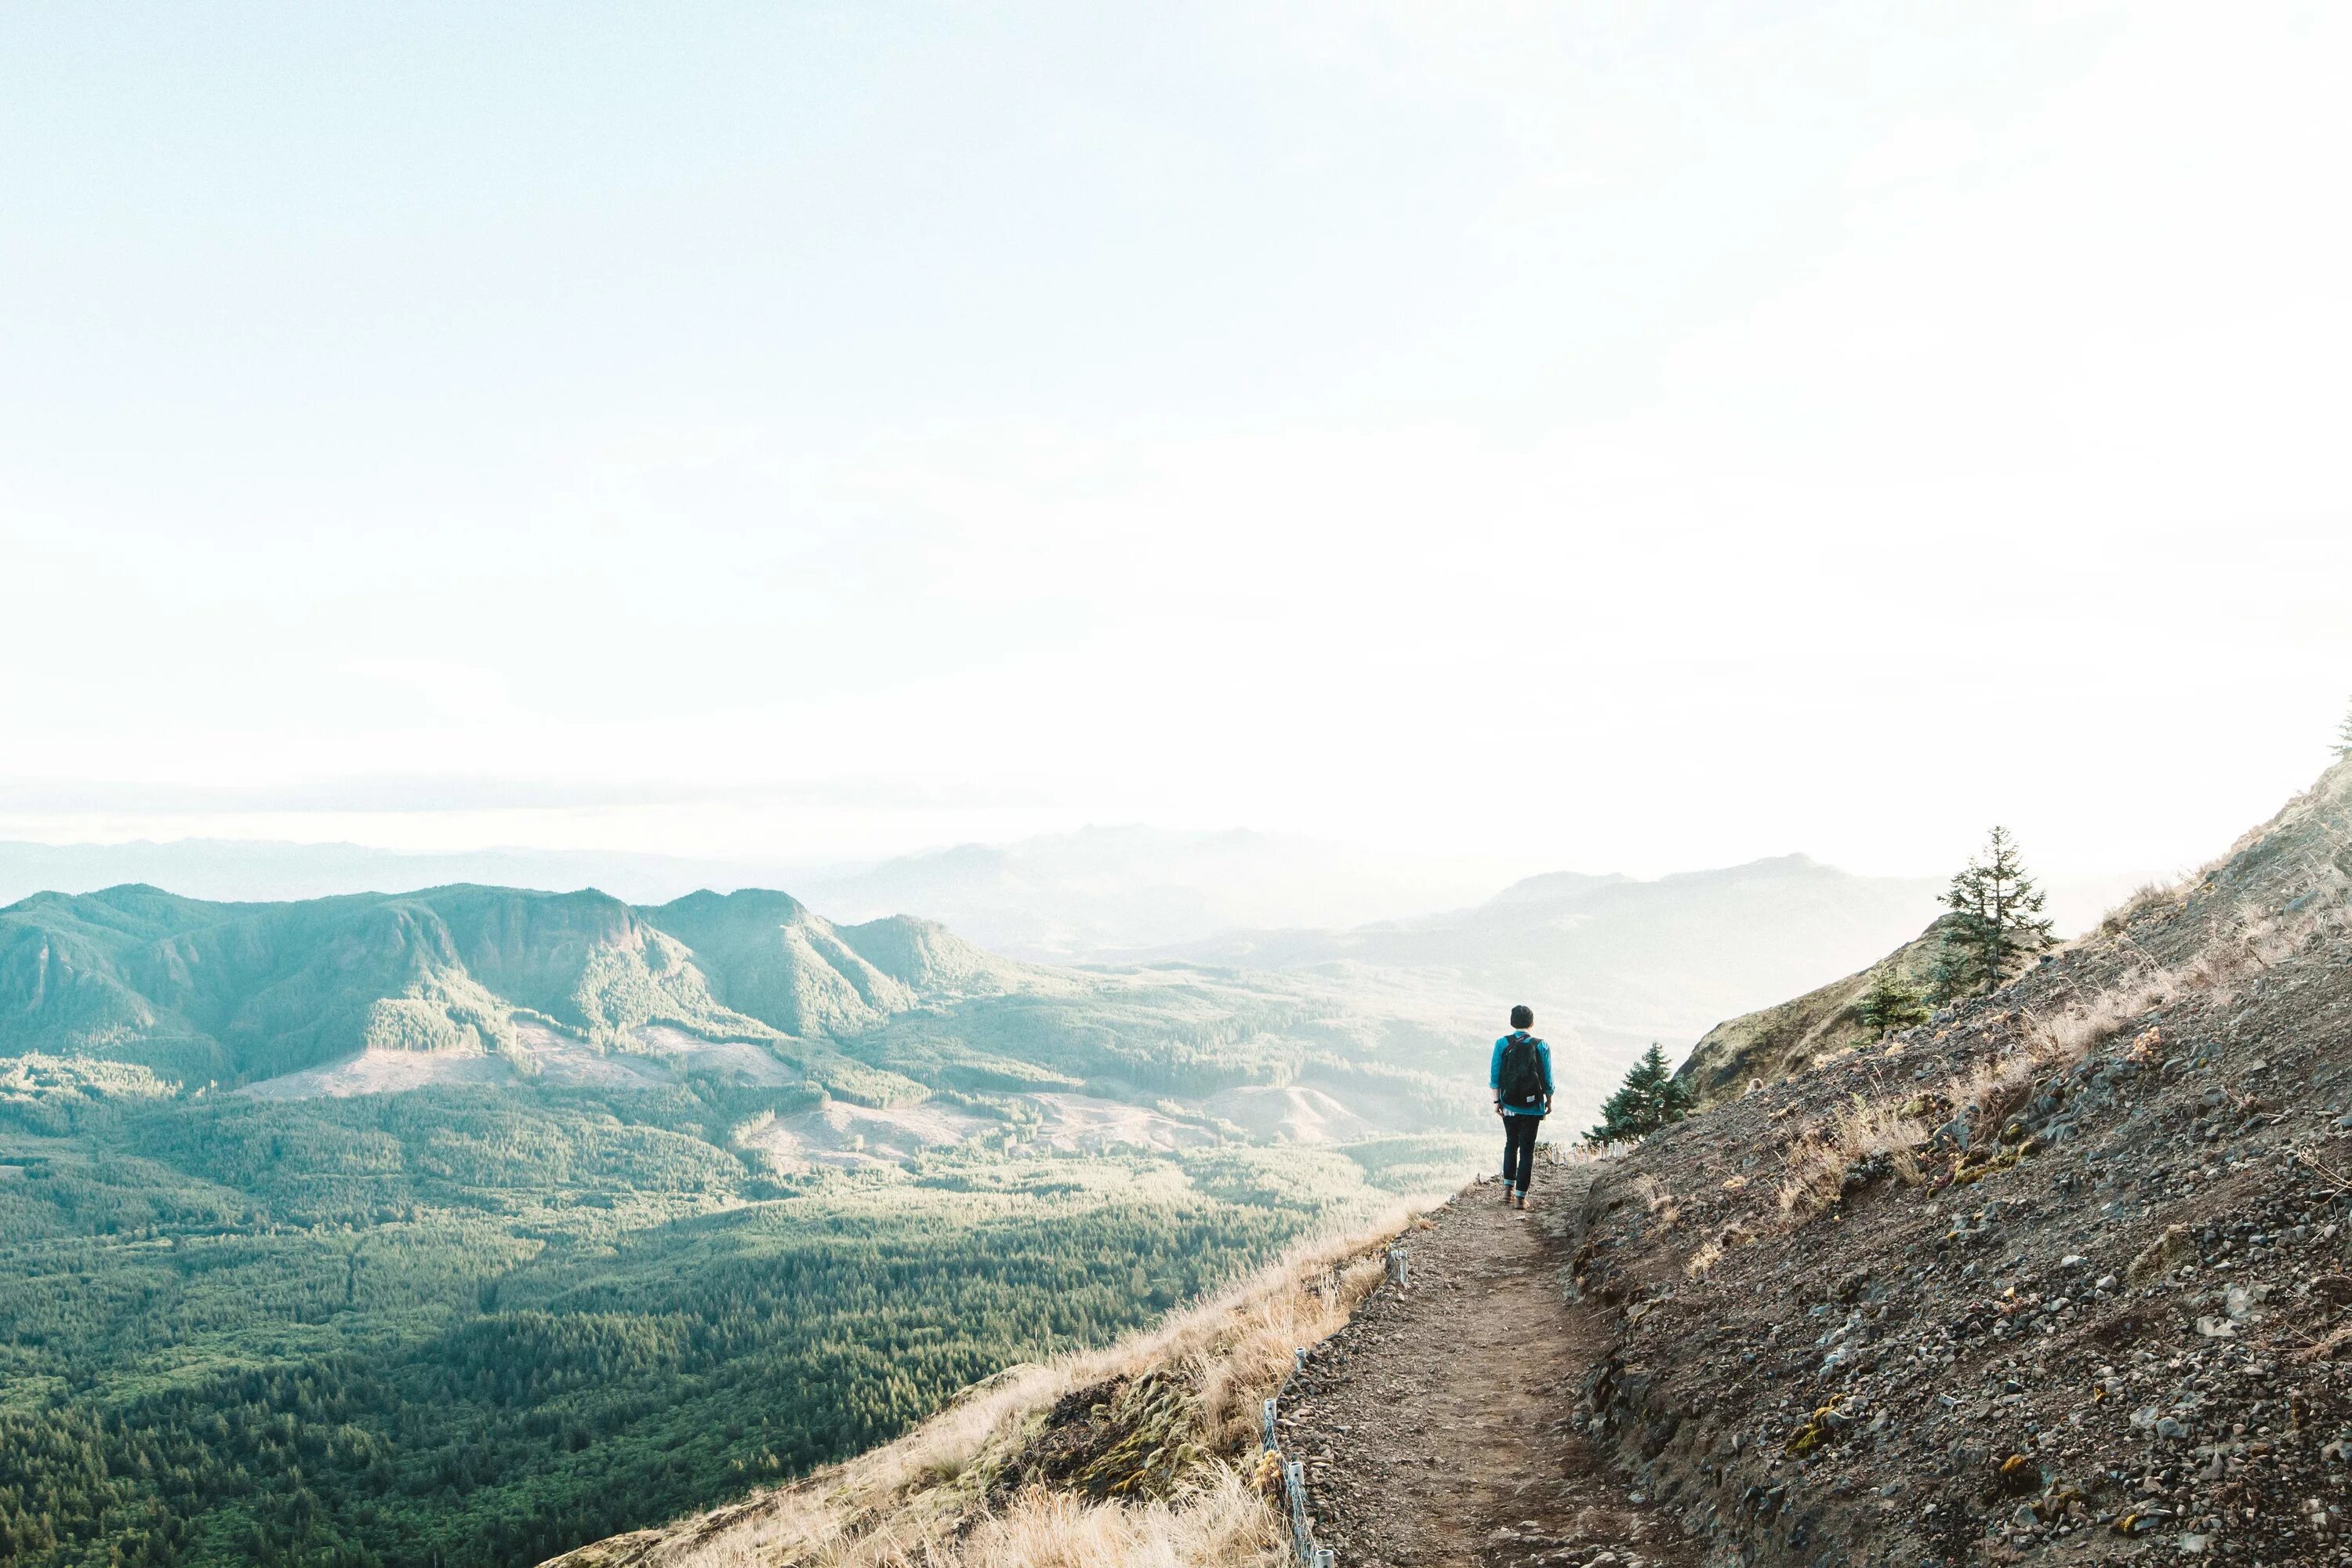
[1520, 1076]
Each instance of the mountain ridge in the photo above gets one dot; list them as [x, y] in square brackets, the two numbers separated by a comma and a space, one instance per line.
[242, 991]
[1617, 962]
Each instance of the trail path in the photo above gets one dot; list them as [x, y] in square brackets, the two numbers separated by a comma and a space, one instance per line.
[1435, 1424]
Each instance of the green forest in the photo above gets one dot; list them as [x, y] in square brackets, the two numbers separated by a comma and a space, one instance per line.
[480, 1327]
[460, 1227]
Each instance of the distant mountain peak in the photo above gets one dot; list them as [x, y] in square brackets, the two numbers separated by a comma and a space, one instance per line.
[754, 902]
[1545, 887]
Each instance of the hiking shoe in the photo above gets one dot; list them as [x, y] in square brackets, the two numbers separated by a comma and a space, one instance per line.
[1523, 1203]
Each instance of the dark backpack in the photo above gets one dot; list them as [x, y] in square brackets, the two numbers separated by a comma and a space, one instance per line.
[1522, 1075]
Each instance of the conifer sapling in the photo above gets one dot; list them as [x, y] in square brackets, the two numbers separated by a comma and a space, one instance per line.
[1890, 1004]
[1997, 921]
[1952, 975]
[1649, 1098]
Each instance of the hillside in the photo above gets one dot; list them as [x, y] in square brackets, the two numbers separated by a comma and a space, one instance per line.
[2060, 1277]
[1147, 1452]
[1773, 1042]
[233, 992]
[469, 1225]
[2067, 1269]
[468, 985]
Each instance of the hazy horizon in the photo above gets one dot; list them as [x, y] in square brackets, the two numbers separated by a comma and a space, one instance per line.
[1250, 881]
[1589, 439]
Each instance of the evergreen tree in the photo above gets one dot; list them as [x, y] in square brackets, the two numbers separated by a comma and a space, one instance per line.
[2344, 739]
[1997, 919]
[1891, 1004]
[1952, 975]
[1649, 1098]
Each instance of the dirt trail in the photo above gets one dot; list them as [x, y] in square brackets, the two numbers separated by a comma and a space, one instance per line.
[1436, 1426]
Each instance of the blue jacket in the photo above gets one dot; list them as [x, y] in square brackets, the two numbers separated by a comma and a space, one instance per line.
[1495, 1074]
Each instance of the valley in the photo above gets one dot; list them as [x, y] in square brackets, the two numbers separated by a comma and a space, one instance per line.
[466, 1227]
[469, 1225]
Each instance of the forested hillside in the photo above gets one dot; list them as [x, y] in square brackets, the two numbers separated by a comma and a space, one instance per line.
[478, 1326]
[475, 984]
[672, 1199]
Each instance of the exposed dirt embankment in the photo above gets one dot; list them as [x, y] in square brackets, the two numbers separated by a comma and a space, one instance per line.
[2066, 1274]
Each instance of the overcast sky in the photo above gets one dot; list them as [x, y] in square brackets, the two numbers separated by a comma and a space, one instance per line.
[1607, 435]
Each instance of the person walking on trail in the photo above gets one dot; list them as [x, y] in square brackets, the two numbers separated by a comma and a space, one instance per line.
[1521, 1077]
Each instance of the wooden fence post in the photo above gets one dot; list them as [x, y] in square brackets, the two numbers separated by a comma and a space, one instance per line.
[1302, 1531]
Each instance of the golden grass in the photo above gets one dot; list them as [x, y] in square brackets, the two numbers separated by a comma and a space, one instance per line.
[1220, 1523]
[1859, 1130]
[2147, 899]
[923, 1500]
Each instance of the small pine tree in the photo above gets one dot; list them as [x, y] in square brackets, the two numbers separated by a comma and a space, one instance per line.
[1890, 1004]
[2344, 739]
[1952, 975]
[1997, 913]
[1649, 1098]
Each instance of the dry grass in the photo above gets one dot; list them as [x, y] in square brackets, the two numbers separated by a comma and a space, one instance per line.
[1862, 1129]
[1730, 1234]
[1221, 1522]
[923, 1501]
[2146, 899]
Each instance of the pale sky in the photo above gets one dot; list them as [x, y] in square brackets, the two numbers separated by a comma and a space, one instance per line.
[1601, 436]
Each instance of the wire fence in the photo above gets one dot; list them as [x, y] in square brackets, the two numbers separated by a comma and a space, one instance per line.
[1397, 1267]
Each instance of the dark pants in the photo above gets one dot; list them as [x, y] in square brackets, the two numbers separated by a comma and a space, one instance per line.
[1519, 1151]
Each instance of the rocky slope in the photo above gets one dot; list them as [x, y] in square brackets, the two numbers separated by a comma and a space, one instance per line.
[2064, 1274]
